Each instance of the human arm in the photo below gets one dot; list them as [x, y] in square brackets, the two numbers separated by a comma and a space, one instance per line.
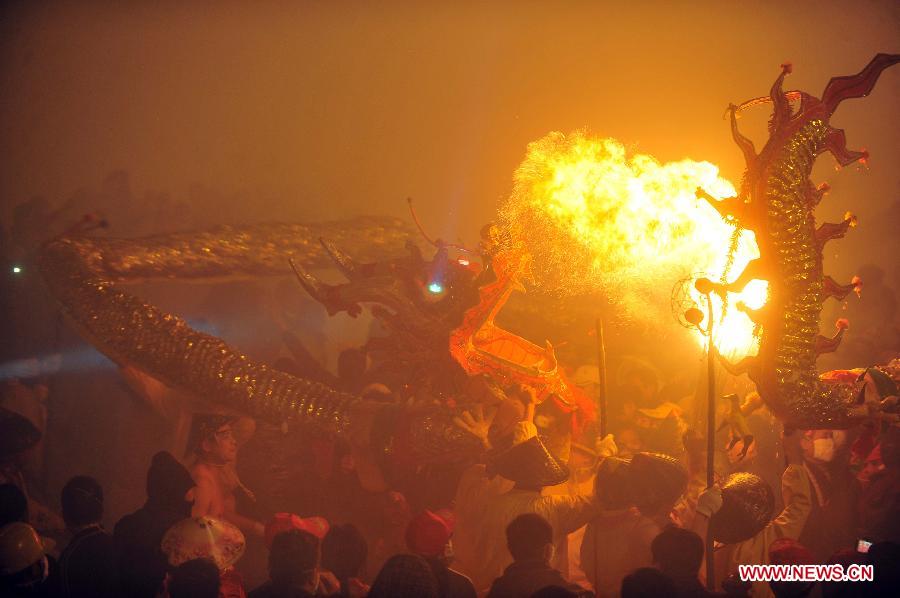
[794, 489]
[708, 503]
[204, 496]
[568, 513]
[245, 524]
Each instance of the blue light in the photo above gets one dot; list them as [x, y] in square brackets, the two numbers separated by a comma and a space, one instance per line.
[436, 288]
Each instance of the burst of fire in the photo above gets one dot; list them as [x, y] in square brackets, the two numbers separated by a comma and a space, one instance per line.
[595, 218]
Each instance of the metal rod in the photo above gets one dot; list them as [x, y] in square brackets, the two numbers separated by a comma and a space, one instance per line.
[601, 368]
[710, 437]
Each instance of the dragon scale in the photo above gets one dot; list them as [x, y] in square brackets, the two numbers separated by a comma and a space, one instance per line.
[777, 202]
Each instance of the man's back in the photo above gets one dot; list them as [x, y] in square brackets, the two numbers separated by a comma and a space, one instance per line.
[87, 565]
[524, 578]
[614, 545]
[137, 538]
[565, 514]
[451, 584]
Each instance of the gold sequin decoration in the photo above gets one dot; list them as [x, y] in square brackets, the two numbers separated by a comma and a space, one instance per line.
[802, 400]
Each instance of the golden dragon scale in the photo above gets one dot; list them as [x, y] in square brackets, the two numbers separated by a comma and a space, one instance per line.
[84, 275]
[777, 201]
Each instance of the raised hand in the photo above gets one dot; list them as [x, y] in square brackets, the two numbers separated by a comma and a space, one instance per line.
[476, 424]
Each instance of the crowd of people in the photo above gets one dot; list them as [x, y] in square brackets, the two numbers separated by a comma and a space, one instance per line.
[550, 508]
[641, 519]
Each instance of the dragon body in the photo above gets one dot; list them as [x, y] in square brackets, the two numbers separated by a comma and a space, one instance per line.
[440, 313]
[777, 202]
[87, 276]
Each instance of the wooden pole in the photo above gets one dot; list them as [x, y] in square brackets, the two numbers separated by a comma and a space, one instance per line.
[601, 366]
[710, 438]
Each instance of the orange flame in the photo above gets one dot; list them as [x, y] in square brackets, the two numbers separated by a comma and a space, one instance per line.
[595, 218]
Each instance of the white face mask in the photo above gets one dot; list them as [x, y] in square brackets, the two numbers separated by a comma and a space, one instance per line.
[823, 449]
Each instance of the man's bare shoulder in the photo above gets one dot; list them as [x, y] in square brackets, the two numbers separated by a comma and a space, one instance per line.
[203, 474]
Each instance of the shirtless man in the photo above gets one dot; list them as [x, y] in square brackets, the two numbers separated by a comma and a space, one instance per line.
[215, 450]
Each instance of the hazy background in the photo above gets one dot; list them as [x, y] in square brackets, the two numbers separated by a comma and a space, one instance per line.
[184, 115]
[170, 115]
[325, 109]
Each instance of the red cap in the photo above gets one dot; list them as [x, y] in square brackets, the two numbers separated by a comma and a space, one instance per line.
[284, 522]
[786, 551]
[428, 533]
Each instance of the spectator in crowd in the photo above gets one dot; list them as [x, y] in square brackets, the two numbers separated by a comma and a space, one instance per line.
[743, 521]
[879, 504]
[294, 562]
[678, 553]
[637, 496]
[405, 575]
[344, 554]
[87, 564]
[428, 535]
[786, 551]
[197, 578]
[137, 537]
[846, 589]
[24, 568]
[213, 539]
[647, 582]
[834, 493]
[885, 560]
[529, 538]
[531, 467]
[18, 436]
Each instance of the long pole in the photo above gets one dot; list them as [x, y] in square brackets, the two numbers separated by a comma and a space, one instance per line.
[710, 437]
[601, 365]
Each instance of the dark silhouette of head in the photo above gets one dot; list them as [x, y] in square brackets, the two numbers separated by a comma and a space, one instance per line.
[197, 578]
[529, 537]
[168, 483]
[294, 560]
[344, 551]
[82, 502]
[677, 552]
[787, 551]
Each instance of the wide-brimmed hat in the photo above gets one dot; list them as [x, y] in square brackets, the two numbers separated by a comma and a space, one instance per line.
[20, 547]
[613, 484]
[530, 464]
[658, 480]
[17, 434]
[748, 504]
[649, 481]
[204, 537]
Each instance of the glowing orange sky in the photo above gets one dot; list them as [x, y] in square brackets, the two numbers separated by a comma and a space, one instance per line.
[323, 110]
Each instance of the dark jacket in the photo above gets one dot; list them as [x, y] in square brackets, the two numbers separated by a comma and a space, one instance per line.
[140, 562]
[451, 584]
[524, 578]
[269, 590]
[87, 565]
[137, 537]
